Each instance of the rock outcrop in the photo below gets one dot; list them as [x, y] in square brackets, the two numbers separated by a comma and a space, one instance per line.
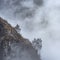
[13, 46]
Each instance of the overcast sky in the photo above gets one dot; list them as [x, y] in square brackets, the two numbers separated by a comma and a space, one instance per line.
[37, 19]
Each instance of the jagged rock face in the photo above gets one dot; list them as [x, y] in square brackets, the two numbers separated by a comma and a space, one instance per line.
[13, 46]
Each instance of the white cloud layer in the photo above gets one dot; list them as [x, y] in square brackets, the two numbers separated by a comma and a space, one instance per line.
[44, 24]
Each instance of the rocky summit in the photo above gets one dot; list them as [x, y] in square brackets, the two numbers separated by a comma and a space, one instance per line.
[13, 46]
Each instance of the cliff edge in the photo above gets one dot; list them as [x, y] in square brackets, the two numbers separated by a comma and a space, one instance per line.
[13, 46]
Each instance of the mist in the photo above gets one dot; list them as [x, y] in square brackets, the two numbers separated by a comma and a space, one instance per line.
[37, 19]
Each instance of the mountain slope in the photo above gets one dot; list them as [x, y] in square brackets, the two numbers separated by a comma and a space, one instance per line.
[13, 46]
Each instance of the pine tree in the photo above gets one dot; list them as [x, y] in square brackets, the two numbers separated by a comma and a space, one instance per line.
[37, 44]
[17, 28]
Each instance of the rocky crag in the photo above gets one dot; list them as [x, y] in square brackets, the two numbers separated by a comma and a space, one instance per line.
[13, 46]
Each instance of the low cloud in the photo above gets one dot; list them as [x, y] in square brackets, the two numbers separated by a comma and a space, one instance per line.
[39, 19]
